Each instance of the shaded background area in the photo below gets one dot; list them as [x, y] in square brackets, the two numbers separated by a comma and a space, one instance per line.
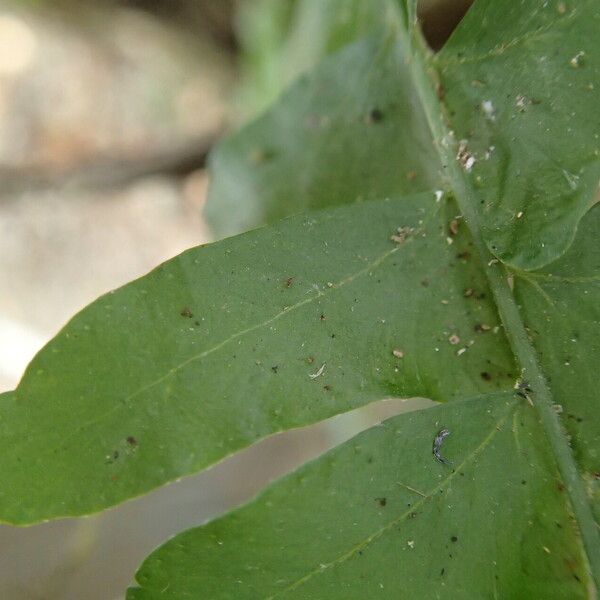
[107, 112]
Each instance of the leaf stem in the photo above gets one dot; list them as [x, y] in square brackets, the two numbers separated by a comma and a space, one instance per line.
[426, 80]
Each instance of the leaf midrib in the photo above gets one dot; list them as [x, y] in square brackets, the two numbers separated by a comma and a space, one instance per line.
[425, 78]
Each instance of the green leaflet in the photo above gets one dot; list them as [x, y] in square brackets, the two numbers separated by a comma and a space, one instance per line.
[225, 344]
[561, 307]
[401, 526]
[353, 130]
[517, 90]
[521, 83]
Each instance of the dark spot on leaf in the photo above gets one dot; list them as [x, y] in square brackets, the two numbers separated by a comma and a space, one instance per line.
[132, 441]
[197, 323]
[454, 539]
[375, 116]
[186, 312]
[486, 376]
[289, 282]
[464, 255]
[322, 317]
[442, 572]
[523, 482]
[425, 283]
[382, 501]
[275, 368]
[327, 387]
[440, 90]
[261, 155]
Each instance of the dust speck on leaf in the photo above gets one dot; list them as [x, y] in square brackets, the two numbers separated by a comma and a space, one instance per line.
[398, 353]
[464, 157]
[401, 234]
[522, 102]
[488, 110]
[577, 60]
[186, 312]
[454, 339]
[318, 373]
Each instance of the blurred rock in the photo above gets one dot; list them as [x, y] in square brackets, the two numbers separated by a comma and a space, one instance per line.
[115, 82]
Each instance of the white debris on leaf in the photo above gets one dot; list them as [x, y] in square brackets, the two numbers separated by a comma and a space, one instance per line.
[318, 373]
[522, 102]
[401, 234]
[439, 194]
[577, 60]
[488, 110]
[464, 157]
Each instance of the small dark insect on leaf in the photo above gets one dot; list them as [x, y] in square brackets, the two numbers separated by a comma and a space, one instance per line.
[437, 444]
[289, 282]
[186, 312]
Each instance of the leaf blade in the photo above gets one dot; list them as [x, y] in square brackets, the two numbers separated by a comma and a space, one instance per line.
[400, 526]
[314, 150]
[131, 412]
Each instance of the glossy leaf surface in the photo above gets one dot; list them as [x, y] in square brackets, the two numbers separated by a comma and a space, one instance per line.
[226, 344]
[403, 525]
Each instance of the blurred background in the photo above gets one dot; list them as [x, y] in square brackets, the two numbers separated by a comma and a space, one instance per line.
[107, 112]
